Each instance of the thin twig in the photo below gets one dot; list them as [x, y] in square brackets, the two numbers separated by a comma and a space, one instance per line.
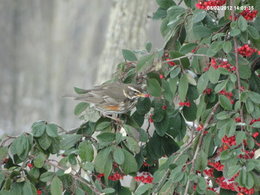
[236, 64]
[186, 56]
[199, 143]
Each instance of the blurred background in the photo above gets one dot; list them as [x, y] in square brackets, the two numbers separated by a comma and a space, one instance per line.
[49, 46]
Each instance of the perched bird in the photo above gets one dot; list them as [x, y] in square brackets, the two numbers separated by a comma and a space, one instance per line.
[113, 98]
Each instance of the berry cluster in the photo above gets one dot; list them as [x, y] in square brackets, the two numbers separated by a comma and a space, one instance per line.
[209, 172]
[230, 141]
[144, 177]
[249, 14]
[229, 95]
[246, 50]
[206, 4]
[221, 64]
[216, 165]
[207, 91]
[184, 104]
[245, 190]
[247, 154]
[115, 177]
[171, 63]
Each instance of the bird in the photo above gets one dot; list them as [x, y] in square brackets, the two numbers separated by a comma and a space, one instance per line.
[113, 98]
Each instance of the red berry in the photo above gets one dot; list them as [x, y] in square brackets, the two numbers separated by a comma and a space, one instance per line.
[164, 107]
[30, 165]
[39, 192]
[100, 175]
[161, 76]
[255, 135]
[199, 128]
[151, 119]
[170, 62]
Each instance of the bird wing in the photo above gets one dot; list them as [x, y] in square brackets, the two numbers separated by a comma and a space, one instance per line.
[110, 94]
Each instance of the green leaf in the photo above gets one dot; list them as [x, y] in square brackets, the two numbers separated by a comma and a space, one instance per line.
[129, 55]
[225, 102]
[148, 46]
[45, 141]
[235, 32]
[253, 32]
[188, 48]
[132, 144]
[175, 72]
[202, 83]
[38, 128]
[242, 23]
[86, 151]
[108, 190]
[144, 62]
[39, 160]
[177, 174]
[153, 87]
[201, 31]
[201, 161]
[79, 191]
[231, 170]
[69, 141]
[143, 105]
[80, 107]
[213, 75]
[3, 153]
[143, 188]
[220, 86]
[225, 155]
[256, 124]
[47, 176]
[106, 137]
[101, 159]
[102, 124]
[130, 164]
[190, 113]
[162, 126]
[227, 46]
[27, 188]
[183, 87]
[244, 71]
[198, 15]
[255, 97]
[118, 155]
[20, 144]
[52, 130]
[34, 172]
[56, 186]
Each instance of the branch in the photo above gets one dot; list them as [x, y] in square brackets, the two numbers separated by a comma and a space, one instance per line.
[76, 177]
[186, 56]
[205, 126]
[236, 64]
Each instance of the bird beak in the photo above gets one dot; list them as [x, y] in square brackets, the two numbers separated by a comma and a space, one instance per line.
[143, 95]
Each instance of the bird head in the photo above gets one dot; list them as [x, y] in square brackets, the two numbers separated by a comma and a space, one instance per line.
[134, 92]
